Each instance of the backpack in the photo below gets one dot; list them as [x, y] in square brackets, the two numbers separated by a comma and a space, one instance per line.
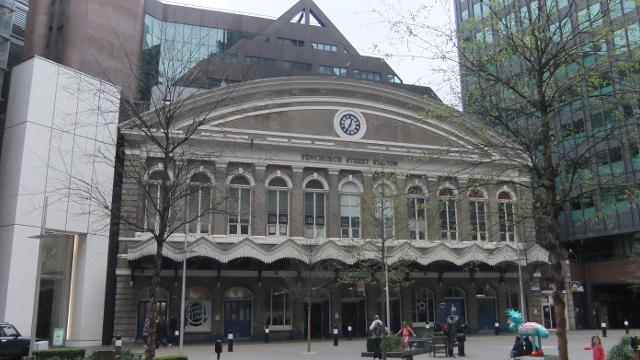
[378, 329]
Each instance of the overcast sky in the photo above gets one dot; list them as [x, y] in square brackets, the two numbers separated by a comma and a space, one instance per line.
[367, 31]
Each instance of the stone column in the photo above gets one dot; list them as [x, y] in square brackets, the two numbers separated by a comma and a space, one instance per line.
[502, 303]
[333, 206]
[407, 299]
[336, 308]
[259, 215]
[472, 305]
[217, 304]
[259, 317]
[296, 216]
[220, 200]
[367, 203]
[534, 300]
[401, 215]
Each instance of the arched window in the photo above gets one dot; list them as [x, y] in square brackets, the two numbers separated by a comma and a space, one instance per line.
[384, 196]
[506, 216]
[199, 200]
[448, 214]
[417, 213]
[154, 200]
[477, 214]
[278, 206]
[350, 210]
[278, 307]
[314, 197]
[239, 205]
[424, 309]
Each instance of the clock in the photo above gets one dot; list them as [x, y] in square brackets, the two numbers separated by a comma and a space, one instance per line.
[350, 124]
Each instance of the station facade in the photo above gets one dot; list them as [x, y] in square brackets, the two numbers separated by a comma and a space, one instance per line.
[291, 162]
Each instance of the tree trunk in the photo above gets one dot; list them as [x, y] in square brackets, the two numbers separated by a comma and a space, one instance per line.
[384, 316]
[308, 325]
[559, 284]
[150, 352]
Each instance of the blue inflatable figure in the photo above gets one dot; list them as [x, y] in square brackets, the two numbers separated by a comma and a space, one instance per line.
[532, 329]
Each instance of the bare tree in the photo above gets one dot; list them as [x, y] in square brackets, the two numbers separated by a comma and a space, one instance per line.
[158, 153]
[524, 68]
[312, 277]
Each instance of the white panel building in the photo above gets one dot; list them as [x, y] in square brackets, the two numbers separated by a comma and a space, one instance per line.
[59, 141]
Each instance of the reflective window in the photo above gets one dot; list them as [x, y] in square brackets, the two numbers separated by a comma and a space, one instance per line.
[239, 205]
[153, 201]
[278, 307]
[296, 66]
[350, 210]
[448, 215]
[506, 216]
[314, 226]
[417, 213]
[332, 70]
[324, 47]
[199, 207]
[366, 75]
[277, 207]
[424, 309]
[477, 214]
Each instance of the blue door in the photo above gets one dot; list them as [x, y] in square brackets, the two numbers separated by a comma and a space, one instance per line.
[238, 317]
[487, 316]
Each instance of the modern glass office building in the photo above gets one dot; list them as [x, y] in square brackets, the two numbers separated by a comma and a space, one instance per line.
[601, 228]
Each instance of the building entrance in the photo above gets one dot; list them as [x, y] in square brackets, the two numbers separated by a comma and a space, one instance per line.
[238, 312]
[354, 313]
[320, 319]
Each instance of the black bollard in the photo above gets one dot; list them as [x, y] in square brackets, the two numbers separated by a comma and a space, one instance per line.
[349, 332]
[218, 348]
[603, 326]
[230, 341]
[634, 346]
[496, 328]
[626, 326]
[118, 344]
[266, 334]
[335, 336]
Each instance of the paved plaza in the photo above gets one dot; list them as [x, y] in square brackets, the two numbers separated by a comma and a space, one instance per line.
[477, 347]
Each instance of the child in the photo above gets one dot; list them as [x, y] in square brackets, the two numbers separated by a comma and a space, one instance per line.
[596, 348]
[405, 331]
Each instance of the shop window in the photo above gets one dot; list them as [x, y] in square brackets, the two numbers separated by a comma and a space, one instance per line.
[278, 312]
[424, 309]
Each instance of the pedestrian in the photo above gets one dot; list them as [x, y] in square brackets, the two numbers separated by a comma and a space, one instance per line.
[596, 348]
[405, 330]
[518, 348]
[377, 329]
[162, 331]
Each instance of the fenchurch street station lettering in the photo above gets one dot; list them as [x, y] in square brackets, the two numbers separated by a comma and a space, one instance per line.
[349, 160]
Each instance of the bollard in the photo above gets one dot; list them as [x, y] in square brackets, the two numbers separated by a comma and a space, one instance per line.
[176, 338]
[626, 327]
[349, 332]
[496, 328]
[335, 336]
[266, 334]
[218, 348]
[118, 345]
[603, 326]
[230, 341]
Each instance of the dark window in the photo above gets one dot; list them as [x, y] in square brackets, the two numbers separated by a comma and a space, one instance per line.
[366, 75]
[324, 47]
[294, 42]
[332, 70]
[260, 61]
[296, 66]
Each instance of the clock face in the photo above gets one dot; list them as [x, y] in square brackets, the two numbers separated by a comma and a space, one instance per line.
[350, 124]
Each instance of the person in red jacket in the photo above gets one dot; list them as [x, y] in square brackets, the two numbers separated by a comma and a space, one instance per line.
[405, 331]
[596, 348]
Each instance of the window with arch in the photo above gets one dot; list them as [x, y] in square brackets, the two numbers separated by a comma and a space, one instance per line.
[477, 214]
[384, 195]
[314, 198]
[424, 309]
[506, 216]
[199, 204]
[278, 307]
[417, 214]
[448, 214]
[278, 207]
[239, 205]
[153, 200]
[350, 210]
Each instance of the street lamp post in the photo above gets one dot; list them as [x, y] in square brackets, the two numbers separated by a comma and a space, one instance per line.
[182, 297]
